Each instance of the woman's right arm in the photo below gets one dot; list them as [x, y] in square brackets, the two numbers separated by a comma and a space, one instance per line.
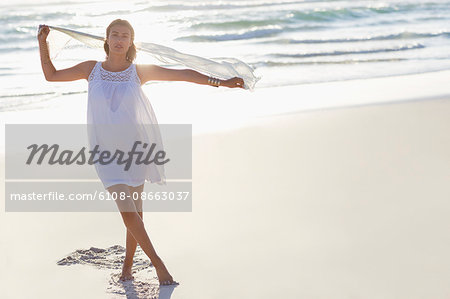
[77, 72]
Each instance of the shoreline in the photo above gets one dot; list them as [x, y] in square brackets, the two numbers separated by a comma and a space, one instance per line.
[212, 110]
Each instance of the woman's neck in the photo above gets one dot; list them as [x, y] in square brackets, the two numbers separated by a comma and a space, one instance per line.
[115, 62]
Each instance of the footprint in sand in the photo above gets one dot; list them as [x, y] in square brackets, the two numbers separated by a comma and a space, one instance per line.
[145, 283]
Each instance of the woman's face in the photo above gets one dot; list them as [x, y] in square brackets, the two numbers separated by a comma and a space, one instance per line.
[119, 39]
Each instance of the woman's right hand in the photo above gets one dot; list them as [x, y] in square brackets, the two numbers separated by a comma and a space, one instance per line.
[43, 33]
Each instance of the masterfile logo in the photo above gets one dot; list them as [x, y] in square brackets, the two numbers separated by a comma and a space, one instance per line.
[56, 167]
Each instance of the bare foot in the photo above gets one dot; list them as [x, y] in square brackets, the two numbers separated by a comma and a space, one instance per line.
[126, 274]
[163, 274]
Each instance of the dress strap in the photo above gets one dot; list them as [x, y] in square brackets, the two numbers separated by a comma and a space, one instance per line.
[92, 75]
[135, 76]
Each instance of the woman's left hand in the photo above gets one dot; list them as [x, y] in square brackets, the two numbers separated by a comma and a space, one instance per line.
[233, 82]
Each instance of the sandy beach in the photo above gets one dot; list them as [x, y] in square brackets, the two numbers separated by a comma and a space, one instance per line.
[349, 201]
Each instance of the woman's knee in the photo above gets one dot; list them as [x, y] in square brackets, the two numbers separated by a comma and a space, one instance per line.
[122, 196]
[131, 219]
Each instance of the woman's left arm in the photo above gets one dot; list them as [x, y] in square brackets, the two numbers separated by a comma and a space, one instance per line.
[149, 72]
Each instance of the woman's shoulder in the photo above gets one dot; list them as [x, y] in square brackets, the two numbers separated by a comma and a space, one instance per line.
[142, 71]
[145, 71]
[88, 66]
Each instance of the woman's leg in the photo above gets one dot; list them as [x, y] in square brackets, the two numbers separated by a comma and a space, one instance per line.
[135, 225]
[131, 242]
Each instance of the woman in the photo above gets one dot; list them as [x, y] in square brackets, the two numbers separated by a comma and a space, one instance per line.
[115, 75]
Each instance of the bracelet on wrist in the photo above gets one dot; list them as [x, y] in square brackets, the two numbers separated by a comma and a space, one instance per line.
[214, 81]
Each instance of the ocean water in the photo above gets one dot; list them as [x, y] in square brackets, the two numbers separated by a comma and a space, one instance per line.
[286, 42]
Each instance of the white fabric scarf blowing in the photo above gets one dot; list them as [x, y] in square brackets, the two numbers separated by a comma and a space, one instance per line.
[224, 69]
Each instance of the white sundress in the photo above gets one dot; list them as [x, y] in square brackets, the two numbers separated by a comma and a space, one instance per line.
[117, 111]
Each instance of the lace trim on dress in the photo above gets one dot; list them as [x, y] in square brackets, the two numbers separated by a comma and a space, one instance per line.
[99, 73]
